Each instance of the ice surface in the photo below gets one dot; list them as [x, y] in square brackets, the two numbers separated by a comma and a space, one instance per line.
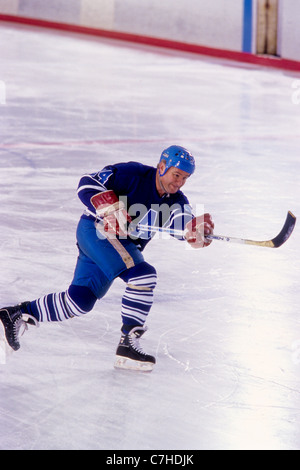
[225, 323]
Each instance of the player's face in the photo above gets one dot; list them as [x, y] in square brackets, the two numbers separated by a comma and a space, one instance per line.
[172, 180]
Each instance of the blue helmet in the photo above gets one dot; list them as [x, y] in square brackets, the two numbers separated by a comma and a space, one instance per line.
[179, 157]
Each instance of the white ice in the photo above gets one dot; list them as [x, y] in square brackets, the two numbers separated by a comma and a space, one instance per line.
[225, 326]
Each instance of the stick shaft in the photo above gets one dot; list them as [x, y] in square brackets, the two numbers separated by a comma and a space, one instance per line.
[274, 243]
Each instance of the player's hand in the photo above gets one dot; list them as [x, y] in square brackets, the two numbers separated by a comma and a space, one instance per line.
[116, 222]
[197, 229]
[112, 212]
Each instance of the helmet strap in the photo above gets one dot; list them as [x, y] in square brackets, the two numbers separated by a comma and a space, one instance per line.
[165, 170]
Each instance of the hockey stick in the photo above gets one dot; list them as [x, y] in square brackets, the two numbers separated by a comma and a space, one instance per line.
[275, 242]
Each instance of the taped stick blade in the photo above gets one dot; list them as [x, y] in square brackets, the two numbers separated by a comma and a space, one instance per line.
[286, 231]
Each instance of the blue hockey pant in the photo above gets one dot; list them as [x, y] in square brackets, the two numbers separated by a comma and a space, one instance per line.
[100, 261]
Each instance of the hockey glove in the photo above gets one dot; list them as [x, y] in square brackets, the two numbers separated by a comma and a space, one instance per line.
[196, 230]
[112, 212]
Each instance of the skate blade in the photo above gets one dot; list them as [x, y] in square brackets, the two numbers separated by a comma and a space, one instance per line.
[129, 364]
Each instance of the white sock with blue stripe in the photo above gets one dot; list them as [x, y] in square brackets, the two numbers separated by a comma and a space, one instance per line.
[138, 299]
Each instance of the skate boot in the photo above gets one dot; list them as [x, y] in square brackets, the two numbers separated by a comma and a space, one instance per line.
[129, 353]
[15, 322]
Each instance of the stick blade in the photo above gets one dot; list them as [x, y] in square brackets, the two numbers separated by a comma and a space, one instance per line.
[276, 242]
[286, 231]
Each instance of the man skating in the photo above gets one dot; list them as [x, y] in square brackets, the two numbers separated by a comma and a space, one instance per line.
[118, 200]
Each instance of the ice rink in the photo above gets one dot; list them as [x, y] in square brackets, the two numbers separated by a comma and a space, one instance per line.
[225, 325]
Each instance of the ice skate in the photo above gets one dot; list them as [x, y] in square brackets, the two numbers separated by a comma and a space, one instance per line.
[15, 322]
[129, 354]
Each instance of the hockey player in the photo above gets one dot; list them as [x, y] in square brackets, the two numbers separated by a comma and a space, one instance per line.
[111, 245]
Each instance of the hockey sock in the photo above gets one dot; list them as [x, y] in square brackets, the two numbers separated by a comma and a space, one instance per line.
[63, 305]
[138, 297]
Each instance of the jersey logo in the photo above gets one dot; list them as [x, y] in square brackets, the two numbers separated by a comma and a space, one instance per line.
[103, 176]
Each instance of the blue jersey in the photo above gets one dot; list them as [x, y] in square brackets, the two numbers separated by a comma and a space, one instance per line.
[135, 184]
